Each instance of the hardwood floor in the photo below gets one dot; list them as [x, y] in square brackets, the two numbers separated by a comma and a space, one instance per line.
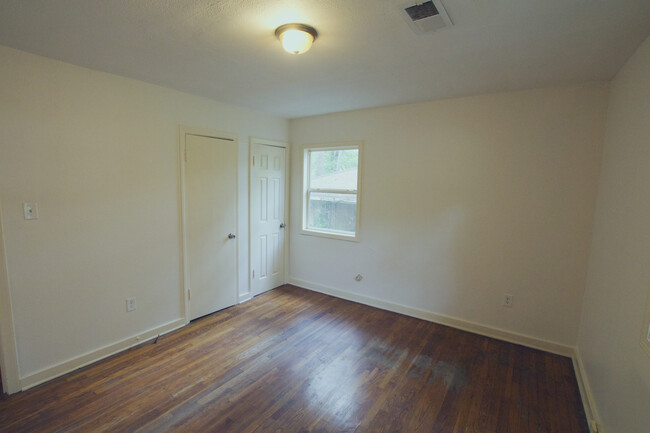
[296, 361]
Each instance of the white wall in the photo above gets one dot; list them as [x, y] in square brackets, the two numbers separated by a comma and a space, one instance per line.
[99, 153]
[618, 282]
[464, 200]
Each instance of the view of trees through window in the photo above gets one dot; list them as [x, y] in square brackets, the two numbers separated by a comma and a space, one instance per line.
[327, 162]
[332, 190]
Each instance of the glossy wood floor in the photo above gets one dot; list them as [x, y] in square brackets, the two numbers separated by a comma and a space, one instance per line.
[297, 361]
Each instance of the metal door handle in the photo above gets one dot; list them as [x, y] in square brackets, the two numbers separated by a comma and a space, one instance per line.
[283, 225]
[231, 236]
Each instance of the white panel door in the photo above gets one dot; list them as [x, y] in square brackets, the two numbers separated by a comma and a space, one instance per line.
[267, 217]
[211, 223]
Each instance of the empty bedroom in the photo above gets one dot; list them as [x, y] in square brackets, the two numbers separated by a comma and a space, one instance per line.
[325, 216]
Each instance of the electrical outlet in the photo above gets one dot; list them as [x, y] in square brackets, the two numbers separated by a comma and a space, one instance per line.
[507, 300]
[130, 305]
[30, 211]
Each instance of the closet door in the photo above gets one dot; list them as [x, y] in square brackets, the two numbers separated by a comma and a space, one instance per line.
[211, 223]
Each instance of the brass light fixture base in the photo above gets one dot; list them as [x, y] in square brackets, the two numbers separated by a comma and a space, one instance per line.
[296, 26]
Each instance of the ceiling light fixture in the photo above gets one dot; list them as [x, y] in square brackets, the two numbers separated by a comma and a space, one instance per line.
[296, 38]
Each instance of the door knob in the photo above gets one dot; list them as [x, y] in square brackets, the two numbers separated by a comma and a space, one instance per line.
[283, 225]
[231, 236]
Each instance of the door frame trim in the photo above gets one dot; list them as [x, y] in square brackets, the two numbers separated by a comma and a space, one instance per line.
[287, 185]
[8, 349]
[183, 132]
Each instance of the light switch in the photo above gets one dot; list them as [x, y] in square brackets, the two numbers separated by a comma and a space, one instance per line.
[31, 211]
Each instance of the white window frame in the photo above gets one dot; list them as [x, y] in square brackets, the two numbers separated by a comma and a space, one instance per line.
[306, 191]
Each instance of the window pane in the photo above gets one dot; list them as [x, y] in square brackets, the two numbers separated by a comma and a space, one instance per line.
[332, 212]
[334, 169]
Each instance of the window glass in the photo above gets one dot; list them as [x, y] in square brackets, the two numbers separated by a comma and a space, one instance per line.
[334, 169]
[332, 211]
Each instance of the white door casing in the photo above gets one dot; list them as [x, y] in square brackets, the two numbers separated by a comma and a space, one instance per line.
[8, 353]
[210, 223]
[267, 213]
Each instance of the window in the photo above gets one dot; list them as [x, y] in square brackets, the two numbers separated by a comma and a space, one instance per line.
[331, 190]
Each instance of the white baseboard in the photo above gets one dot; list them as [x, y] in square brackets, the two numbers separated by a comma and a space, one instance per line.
[585, 393]
[454, 322]
[50, 373]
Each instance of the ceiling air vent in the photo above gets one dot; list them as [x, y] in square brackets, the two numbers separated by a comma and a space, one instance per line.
[425, 17]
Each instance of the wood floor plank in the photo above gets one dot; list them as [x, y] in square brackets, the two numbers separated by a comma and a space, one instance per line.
[292, 360]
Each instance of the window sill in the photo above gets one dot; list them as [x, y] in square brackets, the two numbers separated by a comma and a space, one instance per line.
[330, 235]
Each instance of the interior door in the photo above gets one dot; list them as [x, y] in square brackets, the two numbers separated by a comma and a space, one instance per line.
[211, 223]
[267, 217]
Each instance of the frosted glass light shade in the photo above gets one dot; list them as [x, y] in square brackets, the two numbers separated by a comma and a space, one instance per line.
[296, 38]
[296, 41]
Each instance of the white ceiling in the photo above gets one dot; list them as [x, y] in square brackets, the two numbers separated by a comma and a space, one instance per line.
[366, 54]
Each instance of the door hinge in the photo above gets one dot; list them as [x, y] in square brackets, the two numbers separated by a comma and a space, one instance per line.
[253, 273]
[253, 160]
[186, 154]
[189, 296]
